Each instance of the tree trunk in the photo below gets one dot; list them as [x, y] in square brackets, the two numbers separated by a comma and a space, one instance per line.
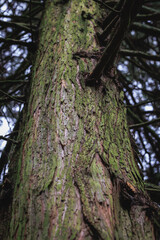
[74, 173]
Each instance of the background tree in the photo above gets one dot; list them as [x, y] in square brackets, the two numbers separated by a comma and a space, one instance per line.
[73, 129]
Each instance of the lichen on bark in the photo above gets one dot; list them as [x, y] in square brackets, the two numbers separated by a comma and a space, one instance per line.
[75, 147]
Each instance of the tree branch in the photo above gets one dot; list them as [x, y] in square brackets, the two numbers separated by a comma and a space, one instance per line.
[127, 52]
[13, 98]
[128, 12]
[143, 124]
[143, 103]
[8, 139]
[146, 29]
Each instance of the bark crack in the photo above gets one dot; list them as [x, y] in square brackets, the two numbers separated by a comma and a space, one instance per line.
[91, 229]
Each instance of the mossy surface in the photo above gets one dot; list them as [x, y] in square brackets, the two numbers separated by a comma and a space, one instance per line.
[74, 139]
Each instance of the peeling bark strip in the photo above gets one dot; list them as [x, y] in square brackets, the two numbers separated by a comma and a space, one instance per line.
[116, 26]
[74, 142]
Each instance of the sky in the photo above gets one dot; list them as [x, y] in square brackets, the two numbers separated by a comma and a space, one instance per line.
[4, 129]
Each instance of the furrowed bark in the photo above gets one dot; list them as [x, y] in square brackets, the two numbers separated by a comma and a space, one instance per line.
[75, 173]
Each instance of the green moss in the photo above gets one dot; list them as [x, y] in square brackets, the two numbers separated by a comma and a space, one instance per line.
[75, 136]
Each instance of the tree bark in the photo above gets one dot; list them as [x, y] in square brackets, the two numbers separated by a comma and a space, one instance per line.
[74, 175]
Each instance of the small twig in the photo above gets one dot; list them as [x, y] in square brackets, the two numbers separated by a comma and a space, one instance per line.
[15, 41]
[108, 29]
[143, 124]
[127, 52]
[11, 97]
[84, 54]
[143, 103]
[146, 28]
[107, 6]
[8, 139]
[14, 81]
[152, 16]
[146, 68]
